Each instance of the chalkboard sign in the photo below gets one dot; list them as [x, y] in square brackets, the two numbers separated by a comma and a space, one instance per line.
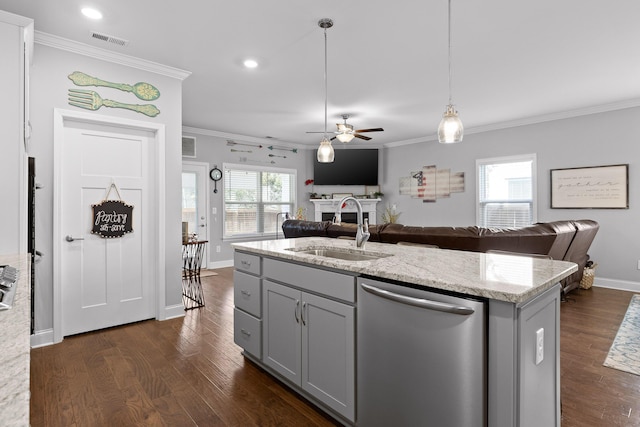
[112, 218]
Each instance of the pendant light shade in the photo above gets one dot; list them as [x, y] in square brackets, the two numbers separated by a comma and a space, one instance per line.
[325, 150]
[450, 129]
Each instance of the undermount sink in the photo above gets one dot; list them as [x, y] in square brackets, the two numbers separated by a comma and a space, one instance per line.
[342, 254]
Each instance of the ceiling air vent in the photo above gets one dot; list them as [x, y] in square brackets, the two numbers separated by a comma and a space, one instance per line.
[109, 39]
[188, 146]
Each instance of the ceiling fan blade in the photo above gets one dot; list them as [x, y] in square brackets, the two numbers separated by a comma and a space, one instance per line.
[366, 138]
[370, 130]
[316, 132]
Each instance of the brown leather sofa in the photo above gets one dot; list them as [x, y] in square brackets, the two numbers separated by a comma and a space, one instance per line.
[560, 240]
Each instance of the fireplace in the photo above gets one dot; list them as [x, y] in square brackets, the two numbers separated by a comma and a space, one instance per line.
[325, 209]
[351, 217]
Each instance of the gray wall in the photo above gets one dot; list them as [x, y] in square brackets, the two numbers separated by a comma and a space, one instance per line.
[49, 85]
[590, 140]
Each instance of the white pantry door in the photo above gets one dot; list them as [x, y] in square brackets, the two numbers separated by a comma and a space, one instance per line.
[105, 281]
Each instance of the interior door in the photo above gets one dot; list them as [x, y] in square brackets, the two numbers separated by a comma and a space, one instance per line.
[195, 201]
[105, 281]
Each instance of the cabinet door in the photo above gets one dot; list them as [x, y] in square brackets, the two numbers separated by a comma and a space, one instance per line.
[281, 334]
[328, 353]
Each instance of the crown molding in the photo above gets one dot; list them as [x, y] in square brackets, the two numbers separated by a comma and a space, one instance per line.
[244, 138]
[61, 43]
[14, 19]
[561, 115]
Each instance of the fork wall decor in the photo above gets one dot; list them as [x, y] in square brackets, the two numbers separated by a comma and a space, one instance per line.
[91, 100]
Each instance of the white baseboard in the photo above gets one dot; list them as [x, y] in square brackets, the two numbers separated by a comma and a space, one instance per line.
[45, 337]
[42, 338]
[220, 264]
[172, 311]
[623, 285]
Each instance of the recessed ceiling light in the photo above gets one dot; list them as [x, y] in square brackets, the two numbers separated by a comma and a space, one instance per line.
[250, 63]
[91, 13]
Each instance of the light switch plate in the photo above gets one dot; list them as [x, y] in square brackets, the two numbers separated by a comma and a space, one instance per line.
[539, 346]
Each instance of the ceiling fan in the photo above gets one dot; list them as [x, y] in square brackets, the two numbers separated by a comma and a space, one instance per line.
[346, 132]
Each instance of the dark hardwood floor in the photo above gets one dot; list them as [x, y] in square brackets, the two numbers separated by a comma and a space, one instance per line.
[593, 395]
[188, 372]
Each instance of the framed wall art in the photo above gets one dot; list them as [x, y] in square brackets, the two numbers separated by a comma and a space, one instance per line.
[595, 187]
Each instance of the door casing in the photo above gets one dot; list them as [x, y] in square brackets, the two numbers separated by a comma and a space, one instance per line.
[158, 130]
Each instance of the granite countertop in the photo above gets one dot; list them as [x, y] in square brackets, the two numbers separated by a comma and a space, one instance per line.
[500, 277]
[16, 346]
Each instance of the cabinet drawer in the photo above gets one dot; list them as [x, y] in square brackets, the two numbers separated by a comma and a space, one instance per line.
[247, 332]
[327, 283]
[247, 293]
[247, 262]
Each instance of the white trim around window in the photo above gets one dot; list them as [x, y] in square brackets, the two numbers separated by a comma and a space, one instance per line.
[258, 207]
[515, 202]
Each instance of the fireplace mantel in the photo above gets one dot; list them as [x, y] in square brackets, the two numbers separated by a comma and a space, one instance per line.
[331, 205]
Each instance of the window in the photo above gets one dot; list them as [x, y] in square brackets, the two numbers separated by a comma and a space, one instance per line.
[254, 197]
[506, 191]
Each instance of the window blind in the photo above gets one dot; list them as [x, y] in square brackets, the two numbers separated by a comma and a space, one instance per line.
[254, 198]
[506, 192]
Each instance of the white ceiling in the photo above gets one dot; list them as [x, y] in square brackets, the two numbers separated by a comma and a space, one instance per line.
[513, 62]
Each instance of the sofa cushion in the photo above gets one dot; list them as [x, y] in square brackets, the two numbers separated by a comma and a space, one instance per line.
[586, 231]
[298, 228]
[347, 229]
[565, 232]
[461, 238]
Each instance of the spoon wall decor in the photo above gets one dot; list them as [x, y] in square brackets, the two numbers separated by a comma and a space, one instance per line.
[142, 90]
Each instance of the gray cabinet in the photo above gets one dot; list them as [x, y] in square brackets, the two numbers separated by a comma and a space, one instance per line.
[310, 341]
[299, 322]
[524, 361]
[247, 294]
[282, 346]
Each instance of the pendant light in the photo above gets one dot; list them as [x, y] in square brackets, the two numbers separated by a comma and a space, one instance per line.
[450, 129]
[325, 150]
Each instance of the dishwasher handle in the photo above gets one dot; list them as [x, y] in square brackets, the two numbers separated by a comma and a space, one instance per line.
[419, 302]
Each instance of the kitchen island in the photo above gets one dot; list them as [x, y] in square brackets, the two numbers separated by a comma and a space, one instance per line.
[519, 350]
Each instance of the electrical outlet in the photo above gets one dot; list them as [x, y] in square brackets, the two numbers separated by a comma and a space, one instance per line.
[218, 248]
[539, 346]
[214, 211]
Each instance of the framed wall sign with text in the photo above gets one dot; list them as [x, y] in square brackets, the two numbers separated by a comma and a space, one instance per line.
[596, 187]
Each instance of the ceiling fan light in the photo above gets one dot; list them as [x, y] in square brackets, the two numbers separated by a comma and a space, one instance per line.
[450, 129]
[345, 137]
[325, 151]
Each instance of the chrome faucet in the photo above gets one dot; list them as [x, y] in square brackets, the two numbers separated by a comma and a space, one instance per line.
[362, 234]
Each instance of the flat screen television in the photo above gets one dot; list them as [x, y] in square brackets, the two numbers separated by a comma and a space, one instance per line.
[350, 167]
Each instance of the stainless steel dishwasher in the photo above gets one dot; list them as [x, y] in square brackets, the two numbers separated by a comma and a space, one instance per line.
[421, 357]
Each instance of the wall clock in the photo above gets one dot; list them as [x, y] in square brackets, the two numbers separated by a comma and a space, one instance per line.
[216, 175]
